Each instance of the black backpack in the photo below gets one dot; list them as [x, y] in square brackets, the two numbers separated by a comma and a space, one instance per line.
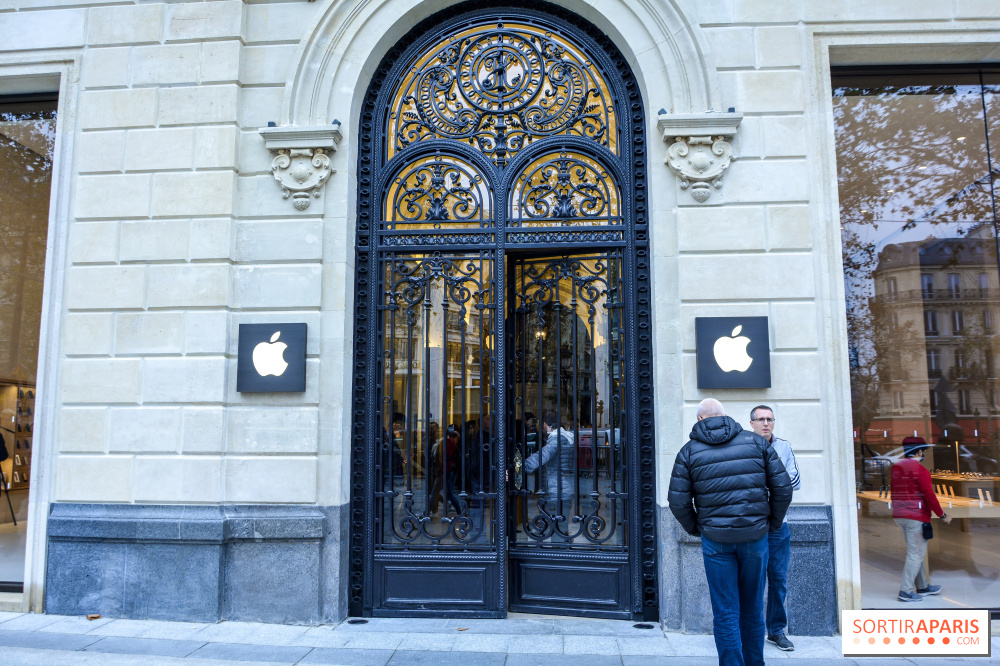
[3, 449]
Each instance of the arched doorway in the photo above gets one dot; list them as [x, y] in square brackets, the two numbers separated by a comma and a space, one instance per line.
[502, 435]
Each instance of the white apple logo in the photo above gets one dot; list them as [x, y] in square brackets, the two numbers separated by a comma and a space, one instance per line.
[268, 358]
[731, 353]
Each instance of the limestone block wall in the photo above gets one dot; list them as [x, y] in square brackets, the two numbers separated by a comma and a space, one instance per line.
[168, 253]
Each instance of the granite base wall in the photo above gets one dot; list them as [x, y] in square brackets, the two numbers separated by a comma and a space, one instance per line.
[283, 564]
[812, 582]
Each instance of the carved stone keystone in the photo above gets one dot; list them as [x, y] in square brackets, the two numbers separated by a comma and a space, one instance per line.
[301, 164]
[698, 149]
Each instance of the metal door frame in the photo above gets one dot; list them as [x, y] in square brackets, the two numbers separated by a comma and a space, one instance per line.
[633, 236]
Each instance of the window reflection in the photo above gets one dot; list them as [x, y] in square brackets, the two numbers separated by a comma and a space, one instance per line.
[27, 139]
[436, 468]
[921, 275]
[568, 455]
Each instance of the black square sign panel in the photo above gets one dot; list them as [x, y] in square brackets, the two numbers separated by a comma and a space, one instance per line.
[272, 358]
[733, 352]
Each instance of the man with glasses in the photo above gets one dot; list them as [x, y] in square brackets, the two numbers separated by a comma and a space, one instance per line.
[729, 488]
[779, 542]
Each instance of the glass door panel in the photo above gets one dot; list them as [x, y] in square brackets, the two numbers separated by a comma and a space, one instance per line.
[435, 472]
[568, 489]
[923, 297]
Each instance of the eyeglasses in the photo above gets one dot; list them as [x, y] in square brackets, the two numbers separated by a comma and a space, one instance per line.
[764, 420]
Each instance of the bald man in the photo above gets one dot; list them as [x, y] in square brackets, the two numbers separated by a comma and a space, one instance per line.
[729, 487]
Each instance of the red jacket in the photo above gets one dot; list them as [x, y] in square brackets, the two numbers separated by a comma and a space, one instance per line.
[912, 492]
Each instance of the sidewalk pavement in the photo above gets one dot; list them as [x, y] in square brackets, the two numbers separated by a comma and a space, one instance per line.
[520, 640]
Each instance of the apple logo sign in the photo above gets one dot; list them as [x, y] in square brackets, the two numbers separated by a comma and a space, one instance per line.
[269, 357]
[730, 352]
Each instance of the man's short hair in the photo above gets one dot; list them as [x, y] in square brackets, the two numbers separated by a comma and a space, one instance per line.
[710, 407]
[753, 412]
[551, 418]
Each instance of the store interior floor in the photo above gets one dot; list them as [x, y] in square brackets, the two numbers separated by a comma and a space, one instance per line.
[12, 537]
[965, 564]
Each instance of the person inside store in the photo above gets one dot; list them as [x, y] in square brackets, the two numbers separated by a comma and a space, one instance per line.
[913, 500]
[557, 458]
[445, 464]
[779, 542]
[728, 487]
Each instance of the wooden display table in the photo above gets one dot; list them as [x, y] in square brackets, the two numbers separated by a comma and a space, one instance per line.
[962, 508]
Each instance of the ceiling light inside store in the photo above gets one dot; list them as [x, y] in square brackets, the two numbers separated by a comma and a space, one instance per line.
[921, 167]
[961, 138]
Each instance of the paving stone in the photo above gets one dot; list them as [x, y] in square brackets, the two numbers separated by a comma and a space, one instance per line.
[281, 654]
[535, 645]
[650, 646]
[615, 628]
[147, 646]
[345, 657]
[174, 630]
[31, 622]
[669, 661]
[480, 643]
[692, 645]
[590, 645]
[325, 637]
[77, 625]
[45, 640]
[123, 628]
[427, 641]
[251, 632]
[5, 616]
[401, 658]
[408, 625]
[31, 657]
[564, 659]
[516, 626]
[369, 641]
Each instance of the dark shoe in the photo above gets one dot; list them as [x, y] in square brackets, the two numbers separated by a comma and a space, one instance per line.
[909, 596]
[782, 642]
[930, 589]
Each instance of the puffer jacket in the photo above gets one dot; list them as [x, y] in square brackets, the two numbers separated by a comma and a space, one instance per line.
[558, 457]
[728, 483]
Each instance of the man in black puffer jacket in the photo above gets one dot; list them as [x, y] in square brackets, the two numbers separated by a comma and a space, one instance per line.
[729, 487]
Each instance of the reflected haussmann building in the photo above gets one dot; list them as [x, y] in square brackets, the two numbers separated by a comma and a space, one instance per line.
[921, 276]
[496, 221]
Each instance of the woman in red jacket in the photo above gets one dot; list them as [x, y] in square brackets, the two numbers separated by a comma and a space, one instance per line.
[913, 499]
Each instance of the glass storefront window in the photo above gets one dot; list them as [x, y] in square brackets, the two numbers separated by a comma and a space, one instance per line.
[917, 156]
[27, 139]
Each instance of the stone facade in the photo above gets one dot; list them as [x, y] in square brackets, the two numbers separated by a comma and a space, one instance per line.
[168, 229]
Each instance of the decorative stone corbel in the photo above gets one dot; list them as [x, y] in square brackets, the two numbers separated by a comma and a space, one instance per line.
[301, 163]
[698, 149]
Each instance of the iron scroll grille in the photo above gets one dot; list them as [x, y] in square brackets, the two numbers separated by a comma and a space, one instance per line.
[488, 136]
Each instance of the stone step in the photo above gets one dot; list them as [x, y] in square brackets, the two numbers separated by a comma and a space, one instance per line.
[11, 601]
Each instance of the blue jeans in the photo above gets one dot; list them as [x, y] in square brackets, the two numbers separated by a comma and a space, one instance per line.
[779, 544]
[736, 575]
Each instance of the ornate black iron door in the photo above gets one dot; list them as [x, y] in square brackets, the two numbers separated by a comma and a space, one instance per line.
[569, 471]
[496, 135]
